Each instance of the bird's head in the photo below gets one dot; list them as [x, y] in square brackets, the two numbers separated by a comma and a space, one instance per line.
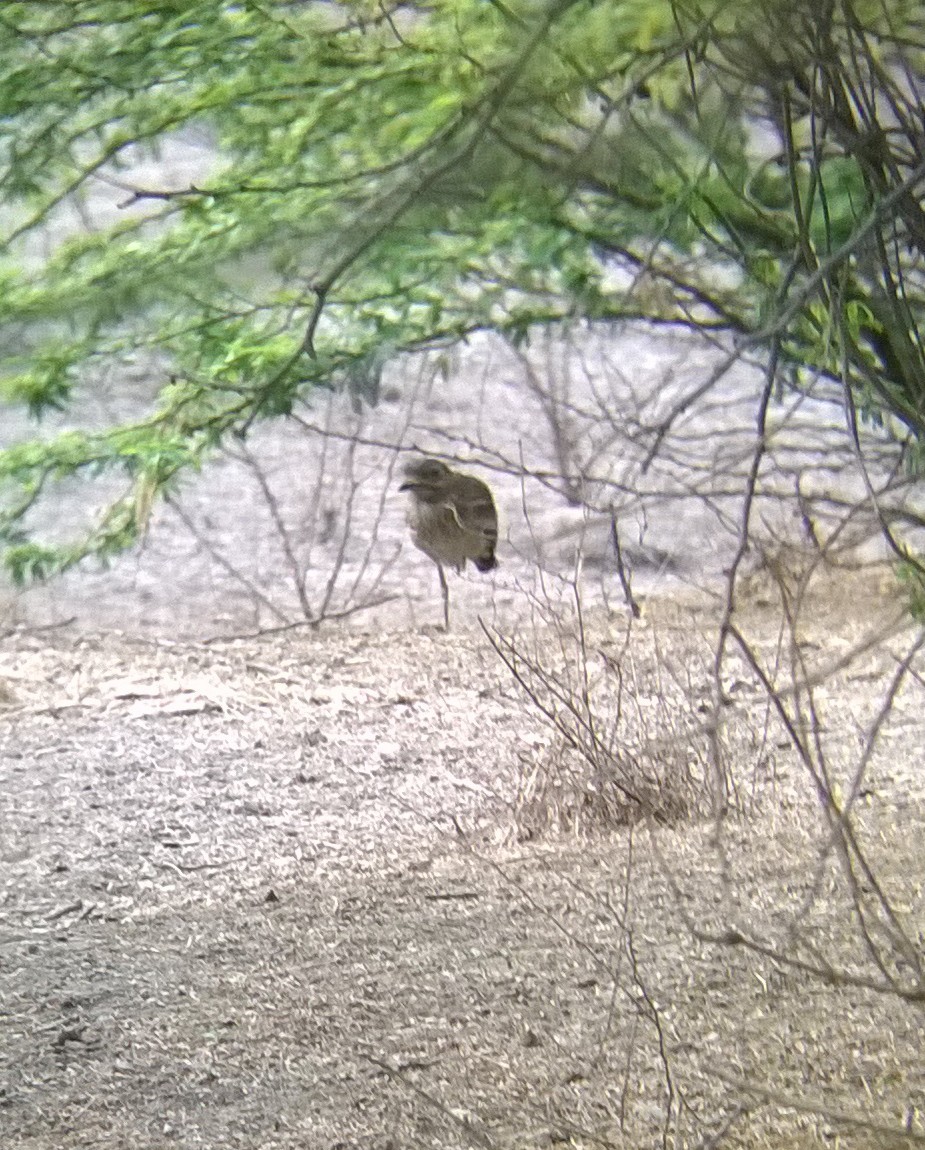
[424, 474]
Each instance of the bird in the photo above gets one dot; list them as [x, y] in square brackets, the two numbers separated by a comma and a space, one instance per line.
[452, 518]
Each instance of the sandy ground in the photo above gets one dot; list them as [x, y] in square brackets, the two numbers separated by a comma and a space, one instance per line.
[277, 893]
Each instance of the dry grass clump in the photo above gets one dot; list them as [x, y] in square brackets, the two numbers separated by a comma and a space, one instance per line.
[588, 791]
[626, 738]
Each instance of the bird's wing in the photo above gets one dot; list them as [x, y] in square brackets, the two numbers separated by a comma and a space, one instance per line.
[473, 509]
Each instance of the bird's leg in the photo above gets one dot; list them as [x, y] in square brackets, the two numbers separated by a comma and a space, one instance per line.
[446, 597]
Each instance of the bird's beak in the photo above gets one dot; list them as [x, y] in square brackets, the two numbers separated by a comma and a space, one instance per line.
[408, 485]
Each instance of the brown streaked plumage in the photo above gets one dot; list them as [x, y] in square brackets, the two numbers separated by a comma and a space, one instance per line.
[453, 518]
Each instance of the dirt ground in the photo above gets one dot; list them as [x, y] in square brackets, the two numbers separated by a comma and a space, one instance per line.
[271, 893]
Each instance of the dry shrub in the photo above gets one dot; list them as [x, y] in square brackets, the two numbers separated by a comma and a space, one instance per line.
[626, 741]
[302, 542]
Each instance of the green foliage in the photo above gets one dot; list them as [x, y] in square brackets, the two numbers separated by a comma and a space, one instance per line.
[387, 178]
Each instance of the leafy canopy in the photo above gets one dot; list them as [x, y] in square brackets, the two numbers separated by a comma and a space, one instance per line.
[387, 177]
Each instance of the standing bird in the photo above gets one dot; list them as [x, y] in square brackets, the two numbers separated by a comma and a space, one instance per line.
[453, 518]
